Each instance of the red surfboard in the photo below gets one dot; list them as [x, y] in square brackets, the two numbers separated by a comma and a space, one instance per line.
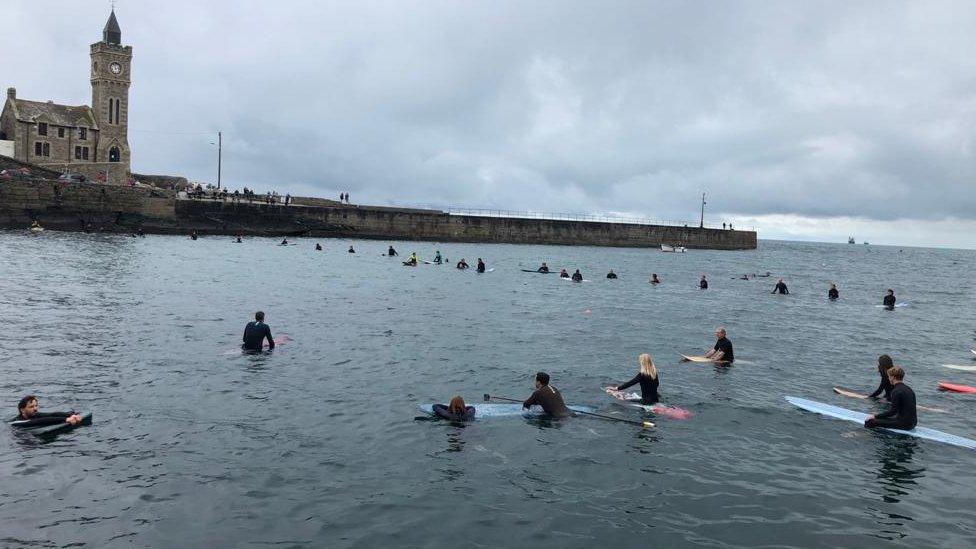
[956, 388]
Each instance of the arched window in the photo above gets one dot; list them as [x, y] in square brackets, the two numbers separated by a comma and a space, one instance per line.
[113, 154]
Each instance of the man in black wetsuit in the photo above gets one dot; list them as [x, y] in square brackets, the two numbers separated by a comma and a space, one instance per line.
[611, 274]
[318, 247]
[780, 288]
[462, 264]
[255, 334]
[548, 397]
[391, 252]
[481, 266]
[703, 284]
[902, 414]
[28, 416]
[544, 268]
[351, 249]
[889, 299]
[577, 276]
[722, 352]
[832, 293]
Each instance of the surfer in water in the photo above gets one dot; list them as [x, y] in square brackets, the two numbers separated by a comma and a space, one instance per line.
[648, 379]
[462, 264]
[411, 259]
[902, 413]
[722, 351]
[832, 293]
[780, 288]
[703, 283]
[884, 364]
[889, 299]
[611, 274]
[239, 239]
[255, 333]
[455, 410]
[563, 273]
[548, 397]
[577, 277]
[437, 257]
[655, 279]
[193, 235]
[481, 266]
[544, 268]
[318, 247]
[27, 412]
[284, 242]
[391, 252]
[351, 250]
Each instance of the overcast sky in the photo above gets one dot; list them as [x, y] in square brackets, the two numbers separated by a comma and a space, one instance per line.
[807, 120]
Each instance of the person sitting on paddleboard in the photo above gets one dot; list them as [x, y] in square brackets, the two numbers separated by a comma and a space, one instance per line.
[648, 379]
[391, 252]
[255, 333]
[437, 257]
[563, 274]
[832, 293]
[722, 352]
[481, 266]
[548, 397]
[28, 416]
[889, 299]
[654, 279]
[577, 277]
[455, 410]
[703, 284]
[780, 288]
[611, 274]
[902, 413]
[884, 364]
[544, 268]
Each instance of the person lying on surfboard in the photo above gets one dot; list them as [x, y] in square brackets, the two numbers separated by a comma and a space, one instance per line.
[455, 410]
[722, 351]
[884, 364]
[648, 379]
[548, 397]
[27, 412]
[902, 413]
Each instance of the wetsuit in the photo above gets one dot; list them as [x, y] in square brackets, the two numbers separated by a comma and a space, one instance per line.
[462, 265]
[885, 386]
[551, 401]
[41, 418]
[444, 412]
[543, 269]
[655, 281]
[577, 277]
[611, 275]
[902, 414]
[833, 293]
[391, 252]
[725, 346]
[780, 288]
[564, 274]
[889, 301]
[481, 266]
[318, 247]
[254, 334]
[648, 387]
[437, 259]
[703, 284]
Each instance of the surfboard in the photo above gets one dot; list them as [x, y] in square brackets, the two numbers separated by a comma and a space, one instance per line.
[960, 367]
[571, 280]
[627, 399]
[956, 388]
[47, 430]
[973, 351]
[696, 358]
[896, 305]
[858, 417]
[537, 272]
[492, 409]
[855, 394]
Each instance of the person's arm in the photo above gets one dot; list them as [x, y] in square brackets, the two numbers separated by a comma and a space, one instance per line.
[717, 356]
[244, 337]
[879, 390]
[786, 290]
[532, 400]
[709, 353]
[630, 383]
[774, 289]
[267, 334]
[892, 411]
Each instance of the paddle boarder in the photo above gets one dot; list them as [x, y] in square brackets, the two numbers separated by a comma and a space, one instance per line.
[256, 332]
[902, 413]
[481, 266]
[548, 397]
[832, 293]
[391, 252]
[648, 379]
[455, 410]
[577, 276]
[722, 351]
[544, 268]
[703, 283]
[28, 414]
[611, 274]
[884, 364]
[780, 288]
[655, 279]
[462, 264]
[889, 299]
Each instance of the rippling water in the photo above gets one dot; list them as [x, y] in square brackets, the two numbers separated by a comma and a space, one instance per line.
[316, 445]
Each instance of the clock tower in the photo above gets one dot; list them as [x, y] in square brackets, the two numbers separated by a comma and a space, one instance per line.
[111, 63]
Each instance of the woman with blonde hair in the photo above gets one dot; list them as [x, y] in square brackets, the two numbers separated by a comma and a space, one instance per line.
[455, 410]
[648, 379]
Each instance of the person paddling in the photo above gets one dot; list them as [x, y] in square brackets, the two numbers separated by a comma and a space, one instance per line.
[548, 397]
[28, 416]
[455, 410]
[648, 379]
[256, 332]
[902, 413]
[884, 364]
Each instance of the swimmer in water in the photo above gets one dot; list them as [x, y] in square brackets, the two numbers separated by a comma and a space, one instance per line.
[28, 416]
[648, 379]
[655, 279]
[548, 397]
[703, 283]
[889, 299]
[563, 273]
[238, 241]
[318, 247]
[284, 242]
[611, 274]
[193, 235]
[351, 250]
[577, 277]
[832, 293]
[780, 288]
[462, 264]
[256, 332]
[884, 364]
[391, 252]
[481, 266]
[544, 268]
[437, 257]
[455, 410]
[902, 413]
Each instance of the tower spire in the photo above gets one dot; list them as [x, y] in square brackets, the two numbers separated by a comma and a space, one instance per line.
[112, 34]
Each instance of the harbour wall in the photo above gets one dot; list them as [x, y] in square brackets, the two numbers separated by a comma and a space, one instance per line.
[91, 206]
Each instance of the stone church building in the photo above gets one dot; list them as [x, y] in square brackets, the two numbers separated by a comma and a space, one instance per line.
[91, 140]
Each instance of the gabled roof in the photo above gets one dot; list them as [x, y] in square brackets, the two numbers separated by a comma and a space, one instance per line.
[52, 113]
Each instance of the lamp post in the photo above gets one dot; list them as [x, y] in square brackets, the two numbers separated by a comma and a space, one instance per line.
[220, 150]
[702, 224]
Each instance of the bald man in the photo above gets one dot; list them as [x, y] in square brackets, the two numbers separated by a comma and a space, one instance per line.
[722, 352]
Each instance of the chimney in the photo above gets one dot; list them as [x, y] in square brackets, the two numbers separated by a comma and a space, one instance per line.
[11, 93]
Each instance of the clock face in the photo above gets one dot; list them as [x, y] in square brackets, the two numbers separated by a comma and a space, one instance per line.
[116, 68]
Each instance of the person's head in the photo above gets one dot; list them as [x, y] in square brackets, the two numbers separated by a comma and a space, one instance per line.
[703, 277]
[543, 263]
[719, 332]
[890, 292]
[884, 363]
[259, 316]
[611, 270]
[541, 380]
[653, 275]
[457, 405]
[647, 365]
[27, 406]
[896, 374]
[781, 281]
[479, 260]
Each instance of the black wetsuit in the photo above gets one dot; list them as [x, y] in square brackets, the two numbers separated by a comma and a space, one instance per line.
[551, 401]
[611, 275]
[41, 419]
[481, 267]
[902, 413]
[885, 387]
[352, 251]
[254, 334]
[563, 275]
[444, 412]
[577, 277]
[889, 301]
[318, 247]
[462, 265]
[725, 346]
[833, 293]
[391, 252]
[543, 269]
[648, 387]
[703, 284]
[780, 288]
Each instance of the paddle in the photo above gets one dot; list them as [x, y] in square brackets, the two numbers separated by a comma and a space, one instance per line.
[611, 418]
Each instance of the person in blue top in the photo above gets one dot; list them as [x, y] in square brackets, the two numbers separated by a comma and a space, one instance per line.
[256, 332]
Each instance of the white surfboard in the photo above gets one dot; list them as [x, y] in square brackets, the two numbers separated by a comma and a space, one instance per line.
[960, 367]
